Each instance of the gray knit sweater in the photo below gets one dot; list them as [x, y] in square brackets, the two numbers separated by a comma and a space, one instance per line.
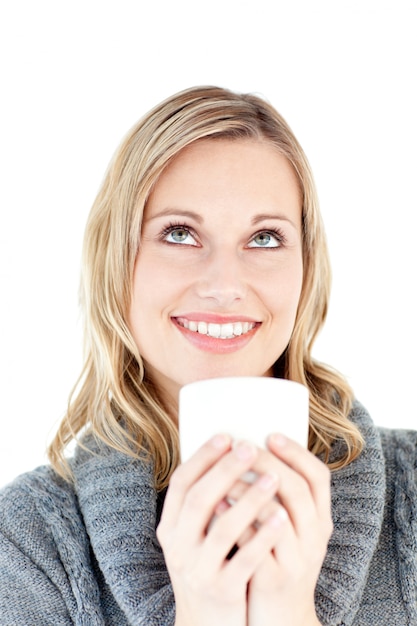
[87, 553]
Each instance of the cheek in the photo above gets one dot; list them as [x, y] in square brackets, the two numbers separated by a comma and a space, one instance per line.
[155, 286]
[295, 284]
[286, 289]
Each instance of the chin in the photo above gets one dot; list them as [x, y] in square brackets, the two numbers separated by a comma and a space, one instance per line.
[226, 372]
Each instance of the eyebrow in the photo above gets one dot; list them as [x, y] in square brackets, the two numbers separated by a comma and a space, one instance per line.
[261, 217]
[179, 213]
[271, 216]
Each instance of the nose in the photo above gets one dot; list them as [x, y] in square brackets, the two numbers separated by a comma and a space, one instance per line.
[222, 279]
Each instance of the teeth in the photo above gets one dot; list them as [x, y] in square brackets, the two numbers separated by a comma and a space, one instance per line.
[222, 331]
[214, 330]
[226, 331]
[238, 329]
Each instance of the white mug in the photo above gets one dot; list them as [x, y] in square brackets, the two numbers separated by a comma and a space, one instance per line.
[247, 408]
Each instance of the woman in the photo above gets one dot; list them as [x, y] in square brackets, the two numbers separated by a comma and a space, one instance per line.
[205, 256]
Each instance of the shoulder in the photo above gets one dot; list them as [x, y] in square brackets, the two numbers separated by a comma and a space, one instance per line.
[391, 439]
[400, 444]
[396, 447]
[37, 494]
[400, 453]
[399, 448]
[360, 416]
[38, 511]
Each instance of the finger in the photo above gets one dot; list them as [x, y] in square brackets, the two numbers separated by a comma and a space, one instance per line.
[269, 509]
[313, 470]
[188, 473]
[295, 558]
[259, 547]
[233, 523]
[221, 508]
[237, 491]
[241, 486]
[295, 493]
[195, 507]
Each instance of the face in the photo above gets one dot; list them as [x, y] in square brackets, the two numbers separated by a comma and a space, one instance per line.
[218, 275]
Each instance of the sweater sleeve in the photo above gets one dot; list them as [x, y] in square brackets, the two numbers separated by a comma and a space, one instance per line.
[31, 574]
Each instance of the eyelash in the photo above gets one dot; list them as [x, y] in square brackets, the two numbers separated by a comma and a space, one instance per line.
[277, 233]
[175, 226]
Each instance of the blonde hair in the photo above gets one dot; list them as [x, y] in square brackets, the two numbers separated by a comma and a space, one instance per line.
[114, 398]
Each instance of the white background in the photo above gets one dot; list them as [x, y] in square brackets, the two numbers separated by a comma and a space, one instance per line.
[76, 75]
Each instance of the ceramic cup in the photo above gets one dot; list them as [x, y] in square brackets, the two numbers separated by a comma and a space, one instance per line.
[248, 408]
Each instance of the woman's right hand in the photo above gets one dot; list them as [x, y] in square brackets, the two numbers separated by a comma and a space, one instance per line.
[209, 588]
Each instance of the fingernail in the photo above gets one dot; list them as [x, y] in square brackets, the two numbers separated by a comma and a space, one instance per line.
[278, 440]
[278, 518]
[267, 481]
[220, 442]
[244, 450]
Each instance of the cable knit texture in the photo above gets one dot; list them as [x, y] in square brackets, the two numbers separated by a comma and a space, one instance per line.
[405, 512]
[87, 554]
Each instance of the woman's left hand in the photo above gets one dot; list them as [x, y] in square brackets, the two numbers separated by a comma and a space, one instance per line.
[282, 588]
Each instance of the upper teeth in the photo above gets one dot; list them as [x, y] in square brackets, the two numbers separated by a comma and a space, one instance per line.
[222, 331]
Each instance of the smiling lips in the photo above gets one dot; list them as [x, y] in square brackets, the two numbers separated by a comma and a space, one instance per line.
[217, 331]
[217, 337]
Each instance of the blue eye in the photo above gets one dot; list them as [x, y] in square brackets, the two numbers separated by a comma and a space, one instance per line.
[265, 239]
[178, 234]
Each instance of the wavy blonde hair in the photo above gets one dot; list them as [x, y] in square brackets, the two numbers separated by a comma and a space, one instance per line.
[114, 398]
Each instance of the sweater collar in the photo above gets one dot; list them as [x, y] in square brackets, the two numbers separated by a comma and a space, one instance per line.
[119, 506]
[358, 498]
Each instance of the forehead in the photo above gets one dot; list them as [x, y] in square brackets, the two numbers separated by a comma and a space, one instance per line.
[244, 168]
[229, 153]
